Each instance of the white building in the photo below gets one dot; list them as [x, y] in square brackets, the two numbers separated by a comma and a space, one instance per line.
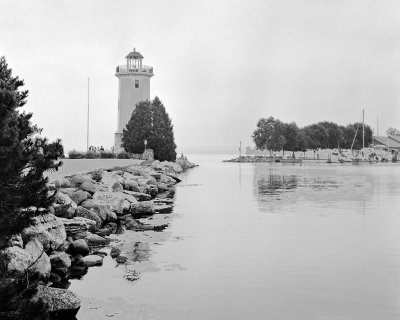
[134, 86]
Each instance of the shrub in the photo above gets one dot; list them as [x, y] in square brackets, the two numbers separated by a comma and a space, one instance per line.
[97, 175]
[107, 155]
[123, 155]
[76, 155]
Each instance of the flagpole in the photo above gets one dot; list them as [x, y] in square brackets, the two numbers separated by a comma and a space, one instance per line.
[87, 133]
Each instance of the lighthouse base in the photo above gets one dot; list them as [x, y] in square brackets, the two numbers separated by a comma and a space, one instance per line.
[118, 142]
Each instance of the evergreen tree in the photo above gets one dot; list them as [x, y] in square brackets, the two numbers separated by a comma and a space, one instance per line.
[24, 157]
[151, 122]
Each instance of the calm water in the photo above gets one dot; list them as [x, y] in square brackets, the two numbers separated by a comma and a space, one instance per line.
[261, 241]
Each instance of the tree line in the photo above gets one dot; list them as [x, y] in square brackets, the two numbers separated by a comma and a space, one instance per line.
[275, 135]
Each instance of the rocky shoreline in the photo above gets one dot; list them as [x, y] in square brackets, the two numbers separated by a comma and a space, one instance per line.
[65, 240]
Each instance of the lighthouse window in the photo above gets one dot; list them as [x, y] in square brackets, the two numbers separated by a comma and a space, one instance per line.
[136, 83]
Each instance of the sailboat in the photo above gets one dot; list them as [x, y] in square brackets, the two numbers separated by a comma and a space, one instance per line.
[371, 154]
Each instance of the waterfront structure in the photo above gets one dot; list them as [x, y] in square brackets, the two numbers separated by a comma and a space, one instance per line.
[134, 86]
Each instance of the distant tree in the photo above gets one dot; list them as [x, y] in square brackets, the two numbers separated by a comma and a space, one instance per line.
[151, 122]
[353, 132]
[334, 134]
[269, 135]
[291, 133]
[316, 137]
[24, 157]
[393, 132]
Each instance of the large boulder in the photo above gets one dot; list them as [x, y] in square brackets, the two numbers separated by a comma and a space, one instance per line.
[142, 208]
[78, 179]
[127, 176]
[173, 166]
[80, 246]
[115, 200]
[48, 229]
[185, 164]
[59, 260]
[92, 260]
[64, 206]
[61, 303]
[42, 265]
[88, 214]
[101, 208]
[16, 240]
[95, 240]
[18, 260]
[79, 196]
[110, 178]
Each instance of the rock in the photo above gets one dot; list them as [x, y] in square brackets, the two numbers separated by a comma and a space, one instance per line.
[115, 200]
[62, 183]
[173, 166]
[126, 206]
[143, 182]
[109, 178]
[142, 208]
[78, 179]
[68, 191]
[163, 208]
[104, 232]
[55, 279]
[162, 187]
[101, 208]
[127, 176]
[59, 260]
[174, 177]
[152, 181]
[16, 240]
[134, 225]
[89, 186]
[18, 260]
[131, 184]
[95, 240]
[92, 260]
[88, 214]
[80, 246]
[48, 229]
[78, 224]
[165, 179]
[156, 175]
[185, 164]
[112, 226]
[121, 259]
[42, 266]
[64, 206]
[61, 303]
[117, 187]
[115, 252]
[79, 196]
[141, 196]
[101, 253]
[152, 190]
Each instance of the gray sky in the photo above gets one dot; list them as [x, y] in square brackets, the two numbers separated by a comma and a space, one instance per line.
[219, 65]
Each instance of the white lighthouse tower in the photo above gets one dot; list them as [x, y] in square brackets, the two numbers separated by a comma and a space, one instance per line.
[134, 86]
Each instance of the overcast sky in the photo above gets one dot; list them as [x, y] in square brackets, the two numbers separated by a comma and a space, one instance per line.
[219, 65]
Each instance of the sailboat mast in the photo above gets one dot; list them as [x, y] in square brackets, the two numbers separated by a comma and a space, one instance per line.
[363, 130]
[87, 125]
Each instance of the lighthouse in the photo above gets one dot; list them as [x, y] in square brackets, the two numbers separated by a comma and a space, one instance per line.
[133, 86]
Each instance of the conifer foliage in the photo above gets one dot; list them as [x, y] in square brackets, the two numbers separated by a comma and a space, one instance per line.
[151, 122]
[24, 157]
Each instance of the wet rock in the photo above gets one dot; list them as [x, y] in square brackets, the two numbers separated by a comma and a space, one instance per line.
[142, 208]
[88, 214]
[42, 266]
[104, 232]
[19, 260]
[101, 253]
[48, 229]
[174, 177]
[95, 240]
[162, 208]
[140, 196]
[80, 246]
[79, 196]
[112, 226]
[121, 259]
[59, 260]
[92, 260]
[162, 187]
[115, 252]
[61, 303]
